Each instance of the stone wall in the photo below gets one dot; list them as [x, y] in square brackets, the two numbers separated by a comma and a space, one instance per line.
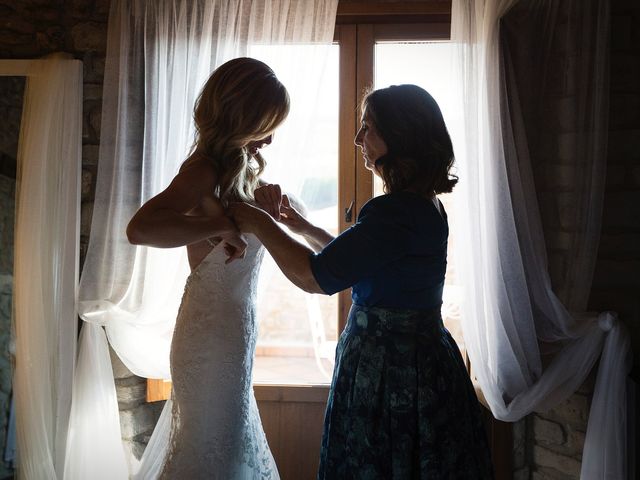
[546, 446]
[555, 439]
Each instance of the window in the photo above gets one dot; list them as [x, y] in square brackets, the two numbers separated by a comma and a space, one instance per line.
[298, 332]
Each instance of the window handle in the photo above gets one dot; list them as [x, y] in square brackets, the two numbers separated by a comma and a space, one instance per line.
[348, 213]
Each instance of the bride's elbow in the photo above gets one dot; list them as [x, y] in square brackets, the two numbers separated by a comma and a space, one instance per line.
[135, 234]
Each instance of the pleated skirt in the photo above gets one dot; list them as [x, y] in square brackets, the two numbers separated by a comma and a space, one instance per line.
[401, 404]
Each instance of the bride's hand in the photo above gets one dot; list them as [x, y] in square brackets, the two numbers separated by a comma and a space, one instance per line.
[235, 246]
[269, 198]
[247, 217]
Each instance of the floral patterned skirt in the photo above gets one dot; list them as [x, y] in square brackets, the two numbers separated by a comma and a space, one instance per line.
[401, 404]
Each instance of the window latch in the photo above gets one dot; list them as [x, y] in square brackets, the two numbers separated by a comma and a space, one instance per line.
[348, 213]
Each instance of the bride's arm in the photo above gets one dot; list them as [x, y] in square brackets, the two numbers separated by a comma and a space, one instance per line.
[163, 221]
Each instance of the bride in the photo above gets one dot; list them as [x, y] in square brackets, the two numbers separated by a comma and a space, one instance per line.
[215, 427]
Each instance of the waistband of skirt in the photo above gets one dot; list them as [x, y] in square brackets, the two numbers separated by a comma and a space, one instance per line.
[378, 320]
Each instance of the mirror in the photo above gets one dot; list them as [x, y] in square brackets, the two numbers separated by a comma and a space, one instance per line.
[40, 233]
[11, 100]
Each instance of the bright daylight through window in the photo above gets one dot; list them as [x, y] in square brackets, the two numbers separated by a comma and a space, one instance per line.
[298, 331]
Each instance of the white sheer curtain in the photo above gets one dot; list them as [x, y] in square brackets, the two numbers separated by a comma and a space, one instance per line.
[46, 260]
[510, 308]
[159, 54]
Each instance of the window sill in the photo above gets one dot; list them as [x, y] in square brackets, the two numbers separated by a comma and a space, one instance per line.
[276, 378]
[290, 370]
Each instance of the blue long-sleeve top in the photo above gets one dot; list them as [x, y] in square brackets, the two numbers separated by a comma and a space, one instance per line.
[394, 256]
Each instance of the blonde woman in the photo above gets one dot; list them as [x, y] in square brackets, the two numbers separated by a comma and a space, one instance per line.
[216, 430]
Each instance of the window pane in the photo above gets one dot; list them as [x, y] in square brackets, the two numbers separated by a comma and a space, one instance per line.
[298, 331]
[428, 65]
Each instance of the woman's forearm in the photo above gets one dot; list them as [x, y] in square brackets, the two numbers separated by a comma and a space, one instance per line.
[293, 216]
[292, 257]
[317, 237]
[169, 229]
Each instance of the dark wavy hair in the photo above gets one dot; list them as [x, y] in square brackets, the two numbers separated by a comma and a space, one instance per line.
[419, 151]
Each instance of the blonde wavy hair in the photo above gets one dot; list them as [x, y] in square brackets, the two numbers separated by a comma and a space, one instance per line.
[243, 101]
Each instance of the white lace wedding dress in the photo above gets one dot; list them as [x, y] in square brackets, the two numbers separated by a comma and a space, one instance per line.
[216, 432]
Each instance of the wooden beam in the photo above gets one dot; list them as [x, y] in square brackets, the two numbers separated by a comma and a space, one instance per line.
[394, 8]
[396, 12]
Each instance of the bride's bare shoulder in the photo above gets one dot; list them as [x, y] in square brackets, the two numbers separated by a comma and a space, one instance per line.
[197, 161]
[199, 169]
[198, 172]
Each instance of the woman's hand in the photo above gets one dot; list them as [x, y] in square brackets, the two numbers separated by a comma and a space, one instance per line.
[247, 218]
[290, 217]
[269, 198]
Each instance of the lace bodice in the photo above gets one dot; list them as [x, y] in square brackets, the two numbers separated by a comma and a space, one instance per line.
[216, 430]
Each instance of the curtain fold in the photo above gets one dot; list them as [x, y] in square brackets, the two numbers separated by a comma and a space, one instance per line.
[531, 348]
[94, 397]
[159, 55]
[46, 263]
[607, 447]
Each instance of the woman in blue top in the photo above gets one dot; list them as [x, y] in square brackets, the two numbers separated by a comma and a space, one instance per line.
[401, 404]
